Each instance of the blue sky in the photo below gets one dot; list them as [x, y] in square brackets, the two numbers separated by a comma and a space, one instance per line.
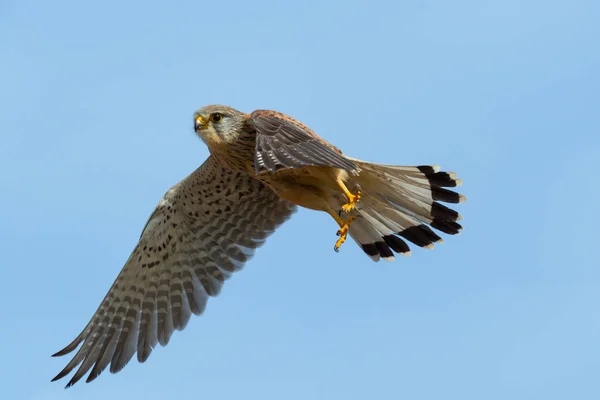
[96, 104]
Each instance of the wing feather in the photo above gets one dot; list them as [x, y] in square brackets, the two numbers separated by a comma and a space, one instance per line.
[282, 142]
[198, 235]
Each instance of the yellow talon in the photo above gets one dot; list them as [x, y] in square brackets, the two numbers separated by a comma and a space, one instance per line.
[352, 198]
[343, 232]
[346, 208]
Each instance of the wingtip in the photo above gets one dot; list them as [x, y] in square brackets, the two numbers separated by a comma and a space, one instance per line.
[59, 353]
[92, 377]
[60, 375]
[70, 347]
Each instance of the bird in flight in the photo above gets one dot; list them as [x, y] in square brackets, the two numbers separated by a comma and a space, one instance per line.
[261, 167]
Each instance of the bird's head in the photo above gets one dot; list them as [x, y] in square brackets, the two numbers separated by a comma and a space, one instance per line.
[216, 124]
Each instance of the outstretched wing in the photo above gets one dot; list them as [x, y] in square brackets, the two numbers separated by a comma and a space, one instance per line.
[204, 229]
[282, 142]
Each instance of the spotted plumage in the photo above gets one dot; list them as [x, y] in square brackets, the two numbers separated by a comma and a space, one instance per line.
[205, 228]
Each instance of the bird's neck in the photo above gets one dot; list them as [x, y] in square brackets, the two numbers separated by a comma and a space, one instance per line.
[237, 156]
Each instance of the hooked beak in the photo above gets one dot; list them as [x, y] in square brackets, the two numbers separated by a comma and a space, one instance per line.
[200, 123]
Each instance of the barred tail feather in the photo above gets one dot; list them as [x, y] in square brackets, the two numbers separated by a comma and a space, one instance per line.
[401, 203]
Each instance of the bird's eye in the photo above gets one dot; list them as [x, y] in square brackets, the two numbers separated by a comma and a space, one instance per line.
[216, 117]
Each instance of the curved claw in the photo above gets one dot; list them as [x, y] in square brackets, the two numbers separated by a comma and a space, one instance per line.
[351, 205]
[343, 233]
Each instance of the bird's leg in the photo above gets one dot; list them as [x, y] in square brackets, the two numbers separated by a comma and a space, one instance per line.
[352, 198]
[343, 231]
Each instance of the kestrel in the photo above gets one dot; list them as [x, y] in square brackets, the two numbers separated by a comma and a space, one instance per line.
[262, 165]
